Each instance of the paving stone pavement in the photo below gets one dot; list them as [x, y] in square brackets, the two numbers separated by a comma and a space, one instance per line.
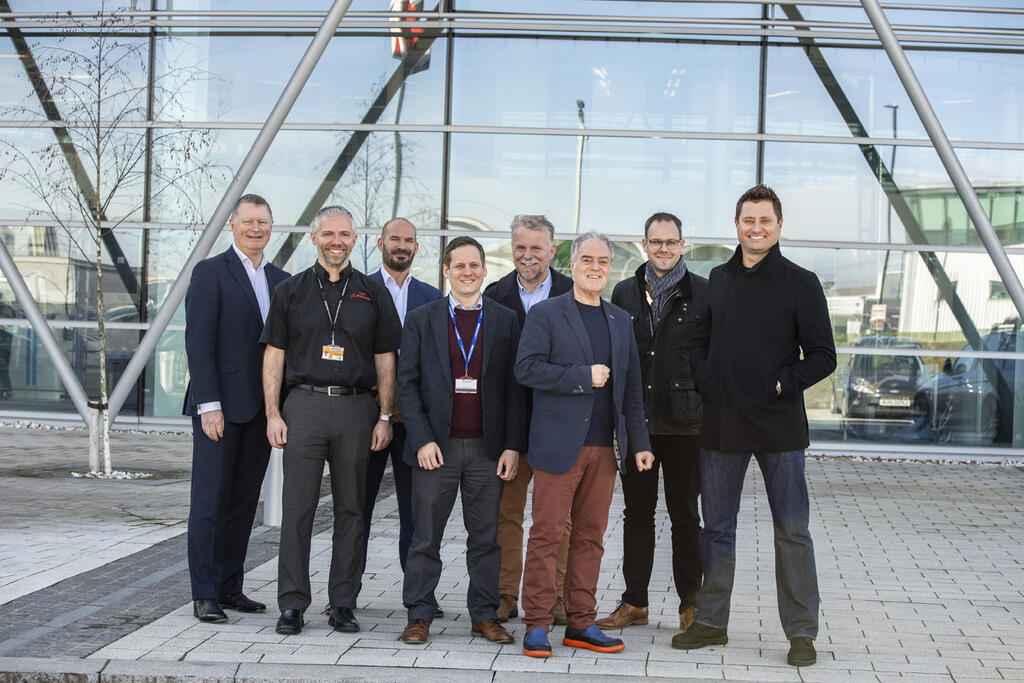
[921, 568]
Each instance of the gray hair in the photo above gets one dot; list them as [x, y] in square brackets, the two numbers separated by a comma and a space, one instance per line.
[534, 222]
[580, 239]
[331, 210]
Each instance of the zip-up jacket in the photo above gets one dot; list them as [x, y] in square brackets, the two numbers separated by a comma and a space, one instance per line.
[671, 402]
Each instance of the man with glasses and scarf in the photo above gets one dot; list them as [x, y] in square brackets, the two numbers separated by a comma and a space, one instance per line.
[665, 301]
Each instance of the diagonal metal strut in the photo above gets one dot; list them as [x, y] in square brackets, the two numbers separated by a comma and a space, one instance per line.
[220, 216]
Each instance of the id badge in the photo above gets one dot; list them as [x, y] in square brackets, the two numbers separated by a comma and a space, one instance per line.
[332, 352]
[465, 385]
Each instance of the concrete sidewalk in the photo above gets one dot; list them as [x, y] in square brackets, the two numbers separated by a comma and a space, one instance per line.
[921, 568]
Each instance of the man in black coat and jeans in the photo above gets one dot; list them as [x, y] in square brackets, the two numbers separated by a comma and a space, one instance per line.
[764, 311]
[666, 302]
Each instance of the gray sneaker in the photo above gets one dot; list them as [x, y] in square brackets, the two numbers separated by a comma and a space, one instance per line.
[801, 652]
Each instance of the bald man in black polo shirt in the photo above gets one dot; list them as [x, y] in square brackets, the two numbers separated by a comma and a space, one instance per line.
[336, 331]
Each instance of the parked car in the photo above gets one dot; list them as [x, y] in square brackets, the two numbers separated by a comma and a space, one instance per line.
[970, 400]
[876, 386]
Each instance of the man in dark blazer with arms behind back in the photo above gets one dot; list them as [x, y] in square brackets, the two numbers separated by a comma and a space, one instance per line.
[532, 281]
[398, 246]
[225, 308]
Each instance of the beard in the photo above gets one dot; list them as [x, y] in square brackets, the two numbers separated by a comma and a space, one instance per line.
[391, 260]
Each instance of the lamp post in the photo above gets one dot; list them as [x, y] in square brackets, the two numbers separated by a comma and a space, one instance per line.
[888, 211]
[580, 104]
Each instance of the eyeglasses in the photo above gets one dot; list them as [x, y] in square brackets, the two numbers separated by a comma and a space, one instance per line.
[658, 244]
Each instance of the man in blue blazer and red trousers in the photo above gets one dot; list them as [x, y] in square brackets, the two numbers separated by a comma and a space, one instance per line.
[579, 355]
[225, 307]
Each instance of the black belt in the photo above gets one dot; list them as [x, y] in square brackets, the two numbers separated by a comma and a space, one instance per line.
[333, 391]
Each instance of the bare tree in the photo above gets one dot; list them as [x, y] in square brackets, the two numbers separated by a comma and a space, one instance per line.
[109, 161]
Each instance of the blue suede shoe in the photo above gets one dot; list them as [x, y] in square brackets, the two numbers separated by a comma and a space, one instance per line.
[535, 643]
[592, 639]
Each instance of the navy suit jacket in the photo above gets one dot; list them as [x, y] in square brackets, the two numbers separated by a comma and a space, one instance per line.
[425, 390]
[419, 292]
[222, 332]
[555, 355]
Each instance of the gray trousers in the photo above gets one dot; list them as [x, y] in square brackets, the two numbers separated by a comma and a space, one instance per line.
[466, 466]
[335, 429]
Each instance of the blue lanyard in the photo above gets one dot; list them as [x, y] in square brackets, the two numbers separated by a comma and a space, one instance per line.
[458, 337]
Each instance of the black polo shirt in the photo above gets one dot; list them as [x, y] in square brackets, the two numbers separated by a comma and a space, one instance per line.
[299, 323]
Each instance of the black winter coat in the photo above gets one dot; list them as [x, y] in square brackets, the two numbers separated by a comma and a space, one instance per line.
[758, 322]
[671, 401]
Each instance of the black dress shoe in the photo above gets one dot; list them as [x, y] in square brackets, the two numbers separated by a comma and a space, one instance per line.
[439, 613]
[240, 603]
[208, 610]
[343, 620]
[290, 623]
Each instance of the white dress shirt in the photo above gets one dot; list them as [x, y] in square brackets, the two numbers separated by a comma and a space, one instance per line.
[537, 295]
[399, 294]
[258, 280]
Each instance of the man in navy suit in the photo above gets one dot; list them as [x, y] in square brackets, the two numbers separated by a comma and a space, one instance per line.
[533, 280]
[464, 414]
[398, 246]
[225, 308]
[579, 356]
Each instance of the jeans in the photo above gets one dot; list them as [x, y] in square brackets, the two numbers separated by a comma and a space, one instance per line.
[796, 580]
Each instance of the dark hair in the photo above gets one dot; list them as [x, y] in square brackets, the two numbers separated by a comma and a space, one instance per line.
[461, 241]
[252, 199]
[760, 193]
[662, 216]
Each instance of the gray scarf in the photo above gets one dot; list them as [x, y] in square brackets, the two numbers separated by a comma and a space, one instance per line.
[659, 289]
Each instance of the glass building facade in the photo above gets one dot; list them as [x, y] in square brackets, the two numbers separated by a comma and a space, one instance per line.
[460, 114]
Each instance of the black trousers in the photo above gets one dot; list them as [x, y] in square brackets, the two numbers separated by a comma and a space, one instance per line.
[226, 479]
[335, 430]
[403, 491]
[678, 458]
[466, 468]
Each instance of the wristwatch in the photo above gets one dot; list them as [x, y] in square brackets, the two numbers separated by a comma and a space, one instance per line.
[778, 388]
[386, 418]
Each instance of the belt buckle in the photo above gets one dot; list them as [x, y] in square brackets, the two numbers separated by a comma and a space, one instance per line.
[334, 391]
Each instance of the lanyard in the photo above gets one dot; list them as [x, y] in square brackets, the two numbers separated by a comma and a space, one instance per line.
[337, 309]
[458, 337]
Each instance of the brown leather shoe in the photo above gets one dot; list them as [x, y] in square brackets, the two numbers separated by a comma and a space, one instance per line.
[494, 632]
[624, 615]
[686, 617]
[416, 632]
[558, 612]
[508, 608]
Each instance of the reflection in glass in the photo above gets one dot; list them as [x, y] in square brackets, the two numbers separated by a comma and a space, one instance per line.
[624, 180]
[241, 77]
[924, 399]
[383, 177]
[621, 84]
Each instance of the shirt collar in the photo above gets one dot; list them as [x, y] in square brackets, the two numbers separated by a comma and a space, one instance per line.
[245, 259]
[325, 277]
[543, 287]
[390, 280]
[453, 302]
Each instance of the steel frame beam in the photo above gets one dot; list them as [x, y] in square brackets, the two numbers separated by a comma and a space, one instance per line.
[940, 141]
[216, 224]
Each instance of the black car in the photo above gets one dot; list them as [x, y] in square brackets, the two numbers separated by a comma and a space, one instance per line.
[877, 386]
